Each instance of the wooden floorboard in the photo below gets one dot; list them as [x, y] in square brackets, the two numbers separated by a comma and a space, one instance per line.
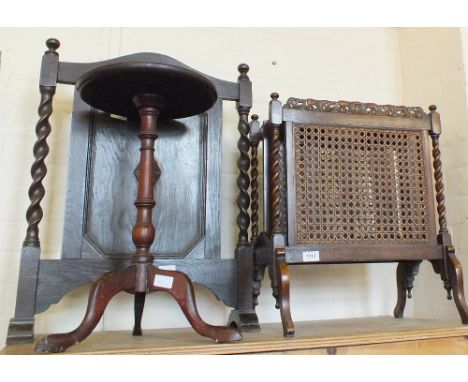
[374, 335]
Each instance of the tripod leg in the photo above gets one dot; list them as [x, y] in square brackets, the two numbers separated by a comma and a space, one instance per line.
[139, 306]
[405, 274]
[102, 291]
[179, 286]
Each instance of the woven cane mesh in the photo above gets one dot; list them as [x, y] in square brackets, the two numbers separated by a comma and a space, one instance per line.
[362, 186]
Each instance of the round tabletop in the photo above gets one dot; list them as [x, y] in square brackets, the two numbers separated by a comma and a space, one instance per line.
[111, 88]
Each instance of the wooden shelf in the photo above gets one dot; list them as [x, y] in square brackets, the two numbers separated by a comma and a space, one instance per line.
[374, 335]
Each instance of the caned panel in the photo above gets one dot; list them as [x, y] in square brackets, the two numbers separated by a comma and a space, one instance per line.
[360, 186]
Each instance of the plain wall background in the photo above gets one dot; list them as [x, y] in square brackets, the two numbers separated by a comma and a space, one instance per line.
[433, 71]
[381, 65]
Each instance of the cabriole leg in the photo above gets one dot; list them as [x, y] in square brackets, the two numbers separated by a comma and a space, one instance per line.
[283, 283]
[102, 291]
[179, 286]
[456, 281]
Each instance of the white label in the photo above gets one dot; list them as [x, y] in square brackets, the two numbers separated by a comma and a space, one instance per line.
[310, 256]
[115, 116]
[163, 281]
[170, 267]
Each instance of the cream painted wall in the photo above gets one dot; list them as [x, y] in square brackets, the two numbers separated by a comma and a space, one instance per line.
[433, 72]
[352, 64]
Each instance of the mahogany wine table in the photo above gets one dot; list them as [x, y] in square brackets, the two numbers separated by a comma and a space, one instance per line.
[145, 91]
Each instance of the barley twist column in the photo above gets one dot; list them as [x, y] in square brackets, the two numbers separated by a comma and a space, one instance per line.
[36, 191]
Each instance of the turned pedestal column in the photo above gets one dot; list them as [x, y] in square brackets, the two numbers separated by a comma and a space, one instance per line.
[149, 106]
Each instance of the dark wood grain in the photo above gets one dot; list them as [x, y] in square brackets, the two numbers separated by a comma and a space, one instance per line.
[111, 145]
[283, 280]
[21, 327]
[438, 177]
[47, 86]
[357, 120]
[244, 315]
[138, 310]
[69, 72]
[36, 191]
[210, 248]
[266, 178]
[352, 254]
[111, 283]
[102, 291]
[243, 163]
[405, 275]
[254, 137]
[114, 157]
[456, 277]
[57, 277]
[183, 293]
[74, 220]
[197, 94]
[353, 107]
[275, 175]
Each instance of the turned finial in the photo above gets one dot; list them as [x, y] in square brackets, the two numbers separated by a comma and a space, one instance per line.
[435, 121]
[254, 117]
[274, 96]
[243, 68]
[53, 44]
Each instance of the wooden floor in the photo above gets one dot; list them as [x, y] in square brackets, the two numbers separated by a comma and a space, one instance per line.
[376, 335]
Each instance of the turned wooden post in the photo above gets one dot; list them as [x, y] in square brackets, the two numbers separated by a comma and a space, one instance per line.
[36, 191]
[243, 163]
[149, 106]
[275, 120]
[437, 163]
[244, 316]
[21, 328]
[255, 136]
[275, 169]
[443, 237]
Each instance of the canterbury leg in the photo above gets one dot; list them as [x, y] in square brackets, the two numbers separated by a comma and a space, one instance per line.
[102, 291]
